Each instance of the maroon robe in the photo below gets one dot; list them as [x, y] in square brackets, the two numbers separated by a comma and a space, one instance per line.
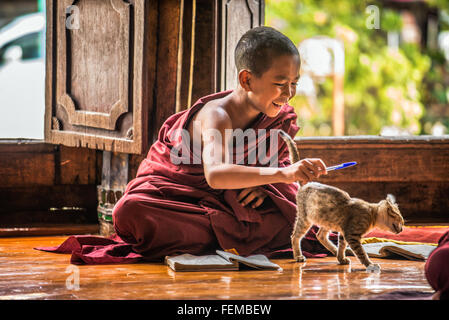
[170, 209]
[437, 267]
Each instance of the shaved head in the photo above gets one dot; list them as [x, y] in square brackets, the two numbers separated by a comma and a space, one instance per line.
[258, 47]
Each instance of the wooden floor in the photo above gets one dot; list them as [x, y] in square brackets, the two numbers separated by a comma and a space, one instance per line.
[26, 273]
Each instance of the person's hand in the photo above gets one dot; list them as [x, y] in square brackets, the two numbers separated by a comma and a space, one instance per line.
[304, 171]
[252, 195]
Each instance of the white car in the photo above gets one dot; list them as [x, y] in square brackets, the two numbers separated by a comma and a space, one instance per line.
[22, 77]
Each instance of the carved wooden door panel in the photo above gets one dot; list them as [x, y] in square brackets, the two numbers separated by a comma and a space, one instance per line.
[238, 16]
[100, 73]
[106, 59]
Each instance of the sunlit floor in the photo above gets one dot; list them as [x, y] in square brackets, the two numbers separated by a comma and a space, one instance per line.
[26, 273]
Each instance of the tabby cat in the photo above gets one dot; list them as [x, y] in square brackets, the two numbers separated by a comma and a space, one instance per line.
[333, 209]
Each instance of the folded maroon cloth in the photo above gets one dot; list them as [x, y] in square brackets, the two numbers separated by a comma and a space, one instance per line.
[95, 250]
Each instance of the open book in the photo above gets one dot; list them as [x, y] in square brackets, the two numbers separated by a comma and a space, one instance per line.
[391, 249]
[222, 261]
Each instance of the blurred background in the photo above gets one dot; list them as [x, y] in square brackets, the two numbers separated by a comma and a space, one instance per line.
[368, 67]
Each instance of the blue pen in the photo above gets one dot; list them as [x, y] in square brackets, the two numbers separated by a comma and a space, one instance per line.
[341, 166]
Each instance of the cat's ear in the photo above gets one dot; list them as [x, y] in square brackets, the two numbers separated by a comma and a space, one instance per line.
[391, 199]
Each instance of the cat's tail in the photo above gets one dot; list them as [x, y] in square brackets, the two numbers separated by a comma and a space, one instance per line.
[294, 153]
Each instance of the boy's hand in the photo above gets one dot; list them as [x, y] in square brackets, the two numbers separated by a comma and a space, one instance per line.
[250, 194]
[305, 170]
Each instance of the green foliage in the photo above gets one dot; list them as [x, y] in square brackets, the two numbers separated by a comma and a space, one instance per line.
[391, 21]
[383, 86]
[441, 4]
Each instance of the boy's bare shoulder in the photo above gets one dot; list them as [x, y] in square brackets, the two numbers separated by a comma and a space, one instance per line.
[214, 114]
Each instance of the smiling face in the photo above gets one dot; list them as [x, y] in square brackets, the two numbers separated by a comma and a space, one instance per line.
[275, 87]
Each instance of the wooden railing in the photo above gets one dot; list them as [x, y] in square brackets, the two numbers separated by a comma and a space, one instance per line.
[46, 185]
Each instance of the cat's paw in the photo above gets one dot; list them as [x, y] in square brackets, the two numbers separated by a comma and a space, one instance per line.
[373, 268]
[344, 261]
[300, 258]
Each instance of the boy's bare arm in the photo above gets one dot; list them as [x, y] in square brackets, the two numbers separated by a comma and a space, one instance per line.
[220, 174]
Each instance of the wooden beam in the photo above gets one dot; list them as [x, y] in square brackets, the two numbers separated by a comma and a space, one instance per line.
[32, 163]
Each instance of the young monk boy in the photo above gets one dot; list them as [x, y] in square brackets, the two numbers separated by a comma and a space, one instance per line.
[202, 201]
